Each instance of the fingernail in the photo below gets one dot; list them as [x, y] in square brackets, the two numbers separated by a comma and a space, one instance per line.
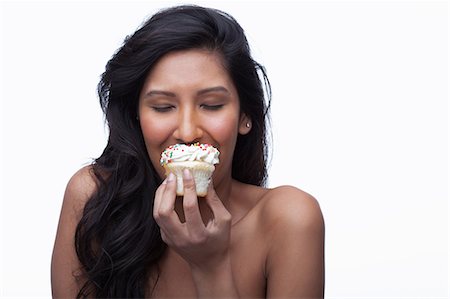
[187, 174]
[170, 177]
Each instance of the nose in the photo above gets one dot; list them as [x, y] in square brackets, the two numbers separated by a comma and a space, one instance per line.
[188, 129]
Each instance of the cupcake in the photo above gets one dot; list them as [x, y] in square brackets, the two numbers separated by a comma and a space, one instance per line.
[198, 158]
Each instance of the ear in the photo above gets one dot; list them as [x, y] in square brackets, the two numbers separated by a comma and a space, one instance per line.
[245, 124]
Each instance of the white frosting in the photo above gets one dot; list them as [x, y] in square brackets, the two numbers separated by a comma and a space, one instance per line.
[193, 152]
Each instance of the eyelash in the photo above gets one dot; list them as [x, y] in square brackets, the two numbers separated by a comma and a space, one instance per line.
[163, 109]
[206, 107]
[212, 107]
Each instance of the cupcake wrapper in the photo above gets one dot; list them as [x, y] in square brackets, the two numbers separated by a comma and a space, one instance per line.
[201, 172]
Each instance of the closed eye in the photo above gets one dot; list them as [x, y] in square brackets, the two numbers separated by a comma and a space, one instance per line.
[162, 108]
[212, 107]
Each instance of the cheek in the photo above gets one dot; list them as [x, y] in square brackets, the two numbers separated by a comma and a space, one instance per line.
[155, 133]
[156, 128]
[224, 131]
[223, 128]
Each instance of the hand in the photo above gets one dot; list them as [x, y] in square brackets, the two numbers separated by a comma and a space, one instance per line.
[203, 246]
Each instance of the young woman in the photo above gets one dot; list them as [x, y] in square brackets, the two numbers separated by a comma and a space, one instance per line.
[185, 76]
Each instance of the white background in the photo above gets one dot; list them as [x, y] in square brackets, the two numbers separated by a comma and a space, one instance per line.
[360, 121]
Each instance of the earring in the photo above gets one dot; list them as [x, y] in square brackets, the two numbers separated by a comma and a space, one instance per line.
[247, 125]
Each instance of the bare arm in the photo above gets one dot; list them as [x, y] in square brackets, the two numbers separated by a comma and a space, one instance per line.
[295, 262]
[65, 267]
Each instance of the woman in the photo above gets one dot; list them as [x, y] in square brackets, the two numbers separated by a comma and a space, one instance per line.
[185, 76]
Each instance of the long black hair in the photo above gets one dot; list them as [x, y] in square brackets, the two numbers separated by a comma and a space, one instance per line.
[117, 240]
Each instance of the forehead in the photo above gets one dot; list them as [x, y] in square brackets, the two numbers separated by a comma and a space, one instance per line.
[196, 68]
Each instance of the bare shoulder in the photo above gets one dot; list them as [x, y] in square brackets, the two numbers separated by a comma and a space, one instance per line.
[83, 182]
[295, 230]
[79, 190]
[80, 187]
[65, 267]
[289, 206]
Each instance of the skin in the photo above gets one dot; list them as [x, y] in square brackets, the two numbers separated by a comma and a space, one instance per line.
[240, 240]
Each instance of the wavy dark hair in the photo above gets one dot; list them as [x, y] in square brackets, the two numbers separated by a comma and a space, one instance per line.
[117, 240]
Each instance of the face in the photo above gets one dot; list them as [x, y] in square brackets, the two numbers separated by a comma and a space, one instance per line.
[189, 97]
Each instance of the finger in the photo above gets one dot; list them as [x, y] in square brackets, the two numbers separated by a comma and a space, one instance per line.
[190, 203]
[221, 214]
[157, 199]
[166, 214]
[165, 238]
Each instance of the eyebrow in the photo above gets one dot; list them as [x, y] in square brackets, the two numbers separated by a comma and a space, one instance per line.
[213, 89]
[160, 92]
[200, 92]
